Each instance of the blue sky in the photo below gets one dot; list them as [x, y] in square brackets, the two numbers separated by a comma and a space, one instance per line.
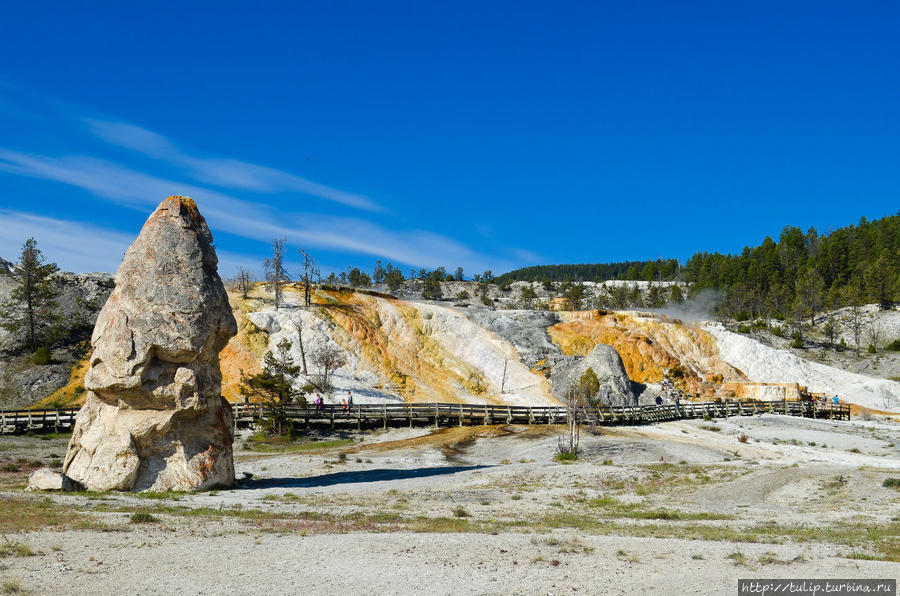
[482, 135]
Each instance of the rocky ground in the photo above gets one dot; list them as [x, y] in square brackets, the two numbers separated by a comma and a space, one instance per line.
[683, 505]
[22, 383]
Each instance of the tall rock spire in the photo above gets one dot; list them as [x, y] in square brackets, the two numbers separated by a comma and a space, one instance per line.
[154, 418]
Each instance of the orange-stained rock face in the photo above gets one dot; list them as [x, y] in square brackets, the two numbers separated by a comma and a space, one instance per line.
[394, 339]
[649, 348]
[236, 359]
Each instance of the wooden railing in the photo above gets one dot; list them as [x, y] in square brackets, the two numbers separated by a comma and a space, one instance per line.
[445, 414]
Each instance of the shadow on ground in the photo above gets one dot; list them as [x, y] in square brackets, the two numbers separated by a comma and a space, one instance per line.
[379, 475]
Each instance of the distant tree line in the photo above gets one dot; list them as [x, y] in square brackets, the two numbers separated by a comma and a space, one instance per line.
[798, 276]
[659, 270]
[802, 274]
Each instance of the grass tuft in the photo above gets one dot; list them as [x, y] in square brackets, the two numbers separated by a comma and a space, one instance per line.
[142, 517]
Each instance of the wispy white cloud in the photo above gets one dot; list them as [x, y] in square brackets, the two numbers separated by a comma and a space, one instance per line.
[222, 172]
[78, 246]
[72, 245]
[215, 182]
[248, 219]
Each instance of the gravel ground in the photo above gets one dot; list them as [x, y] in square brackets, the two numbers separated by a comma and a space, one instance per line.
[509, 513]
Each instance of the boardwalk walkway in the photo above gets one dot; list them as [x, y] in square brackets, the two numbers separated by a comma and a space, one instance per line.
[446, 414]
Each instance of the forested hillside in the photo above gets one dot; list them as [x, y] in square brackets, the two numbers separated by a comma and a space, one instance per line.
[851, 265]
[796, 276]
[633, 270]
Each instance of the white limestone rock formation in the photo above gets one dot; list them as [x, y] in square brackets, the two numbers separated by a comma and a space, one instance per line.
[616, 389]
[154, 418]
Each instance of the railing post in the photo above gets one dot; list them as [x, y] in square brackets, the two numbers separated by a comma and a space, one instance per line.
[435, 415]
[460, 414]
[384, 415]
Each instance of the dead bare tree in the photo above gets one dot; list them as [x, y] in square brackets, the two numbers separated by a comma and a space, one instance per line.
[276, 274]
[298, 323]
[503, 378]
[327, 359]
[874, 334]
[567, 445]
[243, 281]
[309, 276]
[856, 323]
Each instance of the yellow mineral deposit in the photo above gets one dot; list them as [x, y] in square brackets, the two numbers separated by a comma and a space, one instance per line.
[649, 348]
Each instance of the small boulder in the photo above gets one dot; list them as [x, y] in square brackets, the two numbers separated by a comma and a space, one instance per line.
[616, 389]
[47, 479]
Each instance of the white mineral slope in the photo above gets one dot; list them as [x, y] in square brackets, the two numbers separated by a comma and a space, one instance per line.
[463, 346]
[481, 349]
[767, 365]
[354, 376]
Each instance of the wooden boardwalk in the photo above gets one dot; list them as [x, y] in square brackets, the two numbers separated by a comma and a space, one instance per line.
[444, 414]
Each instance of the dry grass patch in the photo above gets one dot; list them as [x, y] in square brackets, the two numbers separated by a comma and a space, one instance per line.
[11, 548]
[12, 586]
[22, 514]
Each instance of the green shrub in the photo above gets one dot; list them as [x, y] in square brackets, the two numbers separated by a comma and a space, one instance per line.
[42, 356]
[894, 346]
[779, 331]
[871, 349]
[797, 342]
[744, 329]
[142, 517]
[891, 483]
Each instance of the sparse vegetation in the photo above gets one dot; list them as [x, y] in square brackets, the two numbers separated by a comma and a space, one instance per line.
[12, 586]
[142, 517]
[11, 548]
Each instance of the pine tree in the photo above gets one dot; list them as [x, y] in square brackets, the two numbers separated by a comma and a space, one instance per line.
[31, 306]
[274, 385]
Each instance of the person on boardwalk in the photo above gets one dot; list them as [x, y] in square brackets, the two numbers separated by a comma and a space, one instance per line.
[349, 399]
[344, 404]
[320, 403]
[834, 400]
[658, 400]
[678, 405]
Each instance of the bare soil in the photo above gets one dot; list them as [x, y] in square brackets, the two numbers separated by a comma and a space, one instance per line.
[675, 507]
